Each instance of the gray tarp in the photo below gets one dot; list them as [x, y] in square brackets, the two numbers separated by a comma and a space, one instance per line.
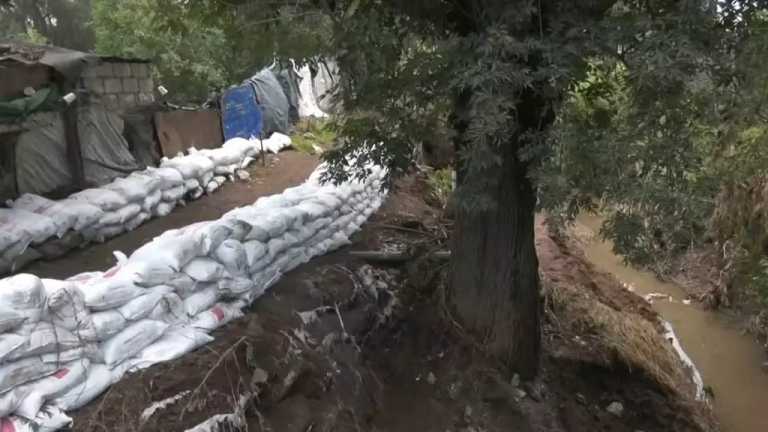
[289, 81]
[275, 106]
[41, 158]
[325, 85]
[67, 62]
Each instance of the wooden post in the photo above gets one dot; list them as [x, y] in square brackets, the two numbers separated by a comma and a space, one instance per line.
[72, 138]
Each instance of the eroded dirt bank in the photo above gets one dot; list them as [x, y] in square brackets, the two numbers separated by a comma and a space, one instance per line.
[342, 345]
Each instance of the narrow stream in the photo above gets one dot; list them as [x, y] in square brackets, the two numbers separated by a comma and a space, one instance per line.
[729, 361]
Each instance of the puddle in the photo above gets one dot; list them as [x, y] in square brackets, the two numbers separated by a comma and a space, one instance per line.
[729, 361]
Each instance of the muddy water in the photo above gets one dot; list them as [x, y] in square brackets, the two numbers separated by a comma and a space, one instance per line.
[728, 361]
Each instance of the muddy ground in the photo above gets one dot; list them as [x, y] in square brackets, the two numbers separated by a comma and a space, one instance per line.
[282, 171]
[341, 345]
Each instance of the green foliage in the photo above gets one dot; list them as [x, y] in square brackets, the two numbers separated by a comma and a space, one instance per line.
[312, 134]
[440, 183]
[58, 22]
[206, 45]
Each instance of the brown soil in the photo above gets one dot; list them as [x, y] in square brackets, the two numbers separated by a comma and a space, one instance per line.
[287, 169]
[381, 356]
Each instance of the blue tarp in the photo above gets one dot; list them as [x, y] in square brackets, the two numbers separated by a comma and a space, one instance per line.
[241, 115]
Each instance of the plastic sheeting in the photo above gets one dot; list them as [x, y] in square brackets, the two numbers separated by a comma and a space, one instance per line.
[41, 155]
[273, 101]
[289, 80]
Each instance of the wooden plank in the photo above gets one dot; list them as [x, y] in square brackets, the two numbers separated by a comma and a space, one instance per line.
[179, 130]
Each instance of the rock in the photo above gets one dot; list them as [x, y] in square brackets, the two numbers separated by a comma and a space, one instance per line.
[581, 399]
[431, 378]
[519, 394]
[467, 413]
[260, 376]
[535, 390]
[515, 380]
[615, 408]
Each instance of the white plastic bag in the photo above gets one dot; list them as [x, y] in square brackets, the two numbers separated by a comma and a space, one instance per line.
[231, 254]
[62, 219]
[255, 251]
[205, 270]
[169, 177]
[108, 323]
[170, 309]
[99, 379]
[121, 215]
[85, 214]
[39, 227]
[172, 345]
[141, 306]
[131, 340]
[201, 300]
[175, 193]
[104, 199]
[217, 316]
[24, 293]
[110, 291]
[172, 250]
[152, 200]
[135, 187]
[212, 186]
[28, 369]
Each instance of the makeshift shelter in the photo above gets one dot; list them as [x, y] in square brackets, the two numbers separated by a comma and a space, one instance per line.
[273, 101]
[50, 146]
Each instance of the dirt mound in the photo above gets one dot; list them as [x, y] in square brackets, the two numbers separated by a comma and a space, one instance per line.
[341, 345]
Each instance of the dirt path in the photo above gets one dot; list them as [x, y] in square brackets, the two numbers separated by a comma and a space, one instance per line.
[282, 171]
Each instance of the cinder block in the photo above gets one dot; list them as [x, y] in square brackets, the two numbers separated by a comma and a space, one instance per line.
[140, 70]
[127, 100]
[110, 101]
[122, 69]
[130, 85]
[113, 85]
[101, 70]
[146, 98]
[147, 85]
[94, 85]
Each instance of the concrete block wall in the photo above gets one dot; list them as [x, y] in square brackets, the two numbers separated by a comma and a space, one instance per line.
[120, 85]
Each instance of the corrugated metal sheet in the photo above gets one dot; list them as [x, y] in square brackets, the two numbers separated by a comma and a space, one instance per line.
[179, 130]
[241, 114]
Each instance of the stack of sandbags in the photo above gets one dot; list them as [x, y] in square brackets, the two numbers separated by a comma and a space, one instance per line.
[196, 170]
[18, 229]
[62, 343]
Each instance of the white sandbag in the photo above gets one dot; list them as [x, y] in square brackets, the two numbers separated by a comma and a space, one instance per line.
[278, 245]
[51, 419]
[174, 249]
[98, 380]
[121, 215]
[28, 369]
[169, 177]
[55, 385]
[246, 161]
[255, 251]
[182, 283]
[196, 193]
[105, 233]
[67, 308]
[10, 343]
[15, 424]
[141, 306]
[137, 221]
[239, 228]
[105, 199]
[108, 323]
[62, 219]
[225, 170]
[205, 270]
[43, 337]
[191, 185]
[175, 193]
[135, 187]
[242, 175]
[223, 155]
[131, 340]
[39, 228]
[231, 254]
[210, 233]
[10, 235]
[242, 146]
[10, 319]
[172, 345]
[10, 400]
[211, 186]
[24, 294]
[201, 300]
[170, 309]
[152, 200]
[164, 209]
[113, 289]
[234, 287]
[217, 316]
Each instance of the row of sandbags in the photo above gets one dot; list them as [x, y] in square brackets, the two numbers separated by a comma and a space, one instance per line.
[62, 343]
[34, 227]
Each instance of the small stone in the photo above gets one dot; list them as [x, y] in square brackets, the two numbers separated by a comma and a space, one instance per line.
[519, 394]
[467, 413]
[615, 408]
[515, 380]
[260, 376]
[581, 399]
[431, 378]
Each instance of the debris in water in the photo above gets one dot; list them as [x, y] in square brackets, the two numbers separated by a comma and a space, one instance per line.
[615, 408]
[657, 296]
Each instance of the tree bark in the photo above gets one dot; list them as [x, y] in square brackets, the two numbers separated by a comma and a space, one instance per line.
[494, 285]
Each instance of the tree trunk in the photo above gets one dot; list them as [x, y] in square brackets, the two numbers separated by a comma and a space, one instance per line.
[494, 282]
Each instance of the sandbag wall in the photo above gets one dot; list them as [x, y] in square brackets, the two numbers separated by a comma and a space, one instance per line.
[34, 227]
[62, 343]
